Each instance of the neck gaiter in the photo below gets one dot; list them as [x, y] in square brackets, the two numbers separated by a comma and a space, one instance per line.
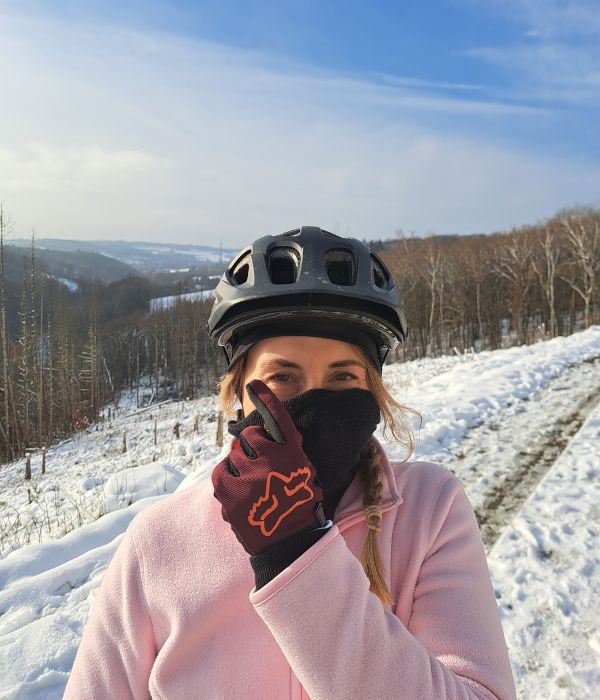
[335, 427]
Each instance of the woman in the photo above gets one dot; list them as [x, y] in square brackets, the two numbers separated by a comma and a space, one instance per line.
[366, 579]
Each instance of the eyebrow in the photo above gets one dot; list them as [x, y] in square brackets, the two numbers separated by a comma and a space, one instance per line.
[293, 365]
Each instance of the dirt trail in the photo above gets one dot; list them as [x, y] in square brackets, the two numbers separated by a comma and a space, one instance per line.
[532, 458]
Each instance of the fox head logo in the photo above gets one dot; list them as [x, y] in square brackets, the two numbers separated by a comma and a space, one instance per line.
[282, 495]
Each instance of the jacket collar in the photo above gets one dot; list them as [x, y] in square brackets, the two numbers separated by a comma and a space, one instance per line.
[351, 502]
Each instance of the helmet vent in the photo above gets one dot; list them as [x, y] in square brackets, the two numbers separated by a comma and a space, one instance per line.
[340, 266]
[284, 264]
[239, 274]
[381, 277]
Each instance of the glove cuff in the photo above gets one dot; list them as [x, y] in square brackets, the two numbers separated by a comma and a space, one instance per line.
[278, 557]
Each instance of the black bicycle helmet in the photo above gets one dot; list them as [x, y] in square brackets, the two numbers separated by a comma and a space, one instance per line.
[307, 278]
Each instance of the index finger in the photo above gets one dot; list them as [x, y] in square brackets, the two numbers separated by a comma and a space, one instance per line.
[277, 420]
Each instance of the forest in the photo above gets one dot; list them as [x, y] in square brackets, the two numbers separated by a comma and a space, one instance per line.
[64, 353]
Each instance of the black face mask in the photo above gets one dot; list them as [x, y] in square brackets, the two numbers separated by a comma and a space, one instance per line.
[336, 427]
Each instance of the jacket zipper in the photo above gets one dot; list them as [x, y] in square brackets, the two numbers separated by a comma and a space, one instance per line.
[359, 515]
[295, 687]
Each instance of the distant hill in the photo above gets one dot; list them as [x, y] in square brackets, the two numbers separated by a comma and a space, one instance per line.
[145, 258]
[76, 265]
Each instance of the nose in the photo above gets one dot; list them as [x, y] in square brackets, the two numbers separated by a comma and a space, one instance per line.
[312, 385]
[312, 380]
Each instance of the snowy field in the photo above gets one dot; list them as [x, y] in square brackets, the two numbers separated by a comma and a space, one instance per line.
[520, 427]
[163, 303]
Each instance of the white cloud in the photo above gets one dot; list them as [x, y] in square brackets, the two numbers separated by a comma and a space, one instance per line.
[556, 18]
[51, 166]
[563, 61]
[548, 71]
[547, 19]
[108, 133]
[433, 84]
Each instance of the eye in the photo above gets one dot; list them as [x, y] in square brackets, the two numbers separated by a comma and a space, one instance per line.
[345, 377]
[281, 378]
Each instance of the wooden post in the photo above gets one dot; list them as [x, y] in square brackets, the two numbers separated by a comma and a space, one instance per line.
[124, 441]
[28, 467]
[176, 430]
[220, 429]
[197, 424]
[43, 460]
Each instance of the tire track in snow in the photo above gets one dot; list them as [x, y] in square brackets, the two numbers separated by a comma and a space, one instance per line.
[506, 496]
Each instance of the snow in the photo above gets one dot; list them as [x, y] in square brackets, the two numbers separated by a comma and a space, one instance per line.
[167, 302]
[546, 571]
[69, 284]
[135, 483]
[90, 475]
[201, 253]
[45, 598]
[496, 419]
[186, 253]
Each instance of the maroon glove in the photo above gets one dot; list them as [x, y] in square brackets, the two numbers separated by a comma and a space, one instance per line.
[266, 485]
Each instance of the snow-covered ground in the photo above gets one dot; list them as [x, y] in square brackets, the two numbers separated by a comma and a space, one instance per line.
[71, 285]
[546, 572]
[201, 253]
[166, 302]
[89, 474]
[493, 418]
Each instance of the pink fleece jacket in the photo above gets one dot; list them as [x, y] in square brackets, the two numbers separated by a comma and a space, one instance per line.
[177, 616]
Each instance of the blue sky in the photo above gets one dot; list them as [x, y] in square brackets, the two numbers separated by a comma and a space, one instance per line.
[197, 121]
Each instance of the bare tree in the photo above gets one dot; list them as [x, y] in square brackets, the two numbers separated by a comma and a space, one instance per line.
[5, 227]
[513, 263]
[545, 262]
[474, 261]
[431, 270]
[583, 236]
[89, 374]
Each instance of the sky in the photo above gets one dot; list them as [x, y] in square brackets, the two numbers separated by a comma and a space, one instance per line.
[202, 122]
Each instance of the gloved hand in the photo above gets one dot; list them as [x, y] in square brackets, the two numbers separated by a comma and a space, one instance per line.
[266, 485]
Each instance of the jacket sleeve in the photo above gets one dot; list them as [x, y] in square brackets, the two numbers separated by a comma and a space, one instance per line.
[118, 647]
[342, 643]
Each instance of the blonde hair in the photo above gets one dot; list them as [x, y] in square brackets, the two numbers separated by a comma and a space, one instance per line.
[395, 419]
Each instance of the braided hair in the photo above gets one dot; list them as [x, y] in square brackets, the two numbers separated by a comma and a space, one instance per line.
[369, 470]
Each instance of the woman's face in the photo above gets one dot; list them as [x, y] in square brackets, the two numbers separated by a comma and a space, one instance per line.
[290, 365]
